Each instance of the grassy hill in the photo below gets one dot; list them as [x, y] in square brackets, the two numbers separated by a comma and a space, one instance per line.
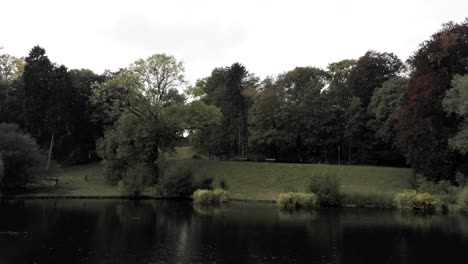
[362, 185]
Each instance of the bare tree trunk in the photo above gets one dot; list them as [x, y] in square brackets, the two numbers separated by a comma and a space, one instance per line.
[349, 151]
[50, 150]
[339, 155]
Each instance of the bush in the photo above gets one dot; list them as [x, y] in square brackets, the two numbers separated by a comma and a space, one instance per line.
[223, 184]
[221, 196]
[135, 180]
[411, 199]
[130, 141]
[404, 199]
[425, 202]
[462, 199]
[22, 159]
[205, 183]
[177, 180]
[327, 189]
[292, 200]
[216, 196]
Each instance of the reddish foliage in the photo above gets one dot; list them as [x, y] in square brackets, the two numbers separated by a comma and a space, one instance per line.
[423, 127]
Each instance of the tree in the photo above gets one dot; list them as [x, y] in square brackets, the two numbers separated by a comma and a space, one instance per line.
[456, 102]
[304, 86]
[384, 102]
[355, 117]
[151, 116]
[269, 120]
[423, 126]
[84, 127]
[36, 80]
[21, 158]
[370, 71]
[228, 89]
[11, 69]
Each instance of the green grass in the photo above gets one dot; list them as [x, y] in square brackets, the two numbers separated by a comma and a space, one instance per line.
[361, 185]
[181, 153]
[264, 181]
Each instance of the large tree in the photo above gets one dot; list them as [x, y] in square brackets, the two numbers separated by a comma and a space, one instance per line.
[423, 126]
[370, 71]
[151, 116]
[228, 89]
[269, 120]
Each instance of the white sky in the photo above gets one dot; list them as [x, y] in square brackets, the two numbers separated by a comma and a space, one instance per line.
[268, 37]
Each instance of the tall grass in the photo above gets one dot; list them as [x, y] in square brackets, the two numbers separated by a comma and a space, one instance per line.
[215, 196]
[292, 200]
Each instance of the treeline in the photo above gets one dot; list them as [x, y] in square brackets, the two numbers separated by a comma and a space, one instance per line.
[375, 109]
[372, 110]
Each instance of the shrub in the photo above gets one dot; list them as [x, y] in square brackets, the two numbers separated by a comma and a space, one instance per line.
[203, 197]
[291, 200]
[177, 180]
[221, 196]
[462, 199]
[425, 202]
[135, 180]
[216, 196]
[205, 183]
[411, 199]
[327, 189]
[404, 199]
[223, 184]
[22, 159]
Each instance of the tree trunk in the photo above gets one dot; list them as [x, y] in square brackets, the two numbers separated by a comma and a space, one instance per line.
[50, 150]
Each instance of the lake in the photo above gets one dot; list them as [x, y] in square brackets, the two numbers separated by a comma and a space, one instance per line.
[148, 231]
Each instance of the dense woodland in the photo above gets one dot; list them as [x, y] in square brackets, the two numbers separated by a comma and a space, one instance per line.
[375, 109]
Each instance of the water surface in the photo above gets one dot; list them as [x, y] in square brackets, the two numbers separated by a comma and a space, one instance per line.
[118, 231]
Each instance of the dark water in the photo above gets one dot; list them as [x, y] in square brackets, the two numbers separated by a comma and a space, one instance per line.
[114, 231]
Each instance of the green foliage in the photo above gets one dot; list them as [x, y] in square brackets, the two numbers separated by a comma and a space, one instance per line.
[223, 184]
[327, 188]
[215, 196]
[291, 200]
[203, 197]
[404, 199]
[462, 199]
[456, 102]
[385, 100]
[268, 119]
[371, 70]
[130, 142]
[177, 180]
[221, 195]
[22, 159]
[204, 183]
[423, 127]
[135, 180]
[228, 89]
[411, 199]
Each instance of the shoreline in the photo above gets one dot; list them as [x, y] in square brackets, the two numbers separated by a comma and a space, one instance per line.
[147, 197]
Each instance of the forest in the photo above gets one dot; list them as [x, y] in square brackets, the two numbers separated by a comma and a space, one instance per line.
[373, 110]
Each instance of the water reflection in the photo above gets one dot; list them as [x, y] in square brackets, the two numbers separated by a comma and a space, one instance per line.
[114, 231]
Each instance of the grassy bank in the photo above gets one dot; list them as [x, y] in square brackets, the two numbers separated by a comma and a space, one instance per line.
[264, 181]
[361, 185]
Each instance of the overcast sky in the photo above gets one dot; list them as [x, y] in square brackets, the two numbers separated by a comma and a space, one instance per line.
[268, 37]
